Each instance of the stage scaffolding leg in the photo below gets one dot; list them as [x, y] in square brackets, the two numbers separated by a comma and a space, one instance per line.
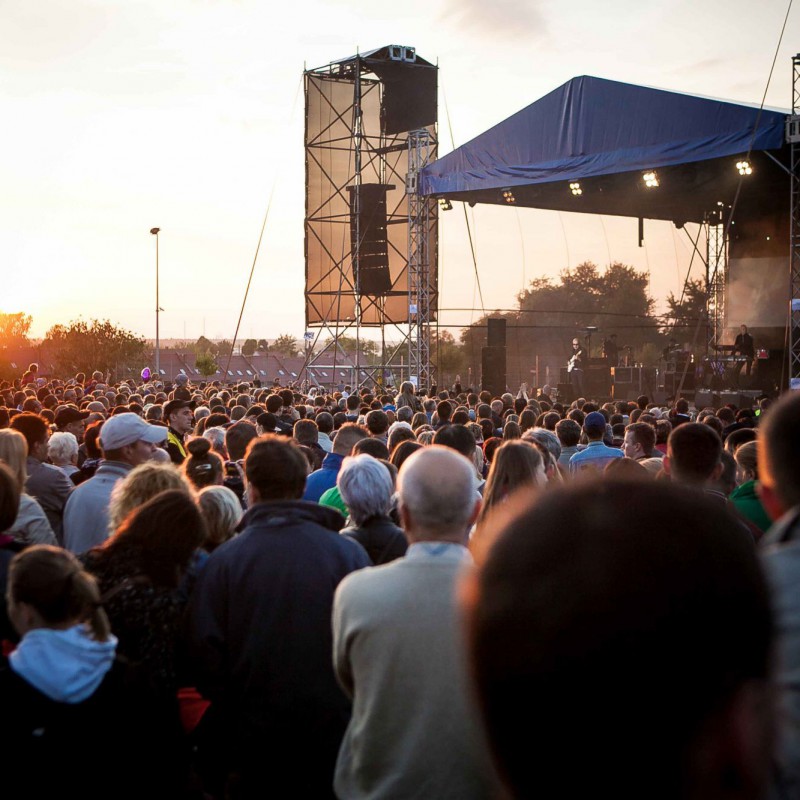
[794, 234]
[716, 276]
[421, 211]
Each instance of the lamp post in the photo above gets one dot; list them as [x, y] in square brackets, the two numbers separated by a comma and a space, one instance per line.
[155, 231]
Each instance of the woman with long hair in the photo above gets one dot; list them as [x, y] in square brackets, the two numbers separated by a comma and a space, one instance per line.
[31, 525]
[407, 397]
[139, 570]
[516, 465]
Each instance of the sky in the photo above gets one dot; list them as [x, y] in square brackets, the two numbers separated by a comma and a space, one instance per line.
[187, 115]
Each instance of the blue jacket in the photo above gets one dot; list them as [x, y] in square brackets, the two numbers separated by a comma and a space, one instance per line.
[319, 481]
[595, 456]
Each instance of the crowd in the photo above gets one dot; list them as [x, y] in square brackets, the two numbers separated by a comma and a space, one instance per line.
[234, 591]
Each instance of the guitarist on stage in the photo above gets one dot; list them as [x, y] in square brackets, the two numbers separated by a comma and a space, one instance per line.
[575, 367]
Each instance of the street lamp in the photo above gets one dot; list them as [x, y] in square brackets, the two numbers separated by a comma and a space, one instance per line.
[155, 231]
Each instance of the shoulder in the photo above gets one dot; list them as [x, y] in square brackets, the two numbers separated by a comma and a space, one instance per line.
[367, 585]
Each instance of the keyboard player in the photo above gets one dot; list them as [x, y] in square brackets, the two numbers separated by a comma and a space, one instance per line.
[743, 346]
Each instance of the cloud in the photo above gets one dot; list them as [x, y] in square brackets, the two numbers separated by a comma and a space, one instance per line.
[512, 19]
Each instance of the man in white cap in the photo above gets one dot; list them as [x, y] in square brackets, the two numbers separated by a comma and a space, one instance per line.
[126, 441]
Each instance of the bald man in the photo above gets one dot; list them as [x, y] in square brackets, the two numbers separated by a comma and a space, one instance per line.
[398, 652]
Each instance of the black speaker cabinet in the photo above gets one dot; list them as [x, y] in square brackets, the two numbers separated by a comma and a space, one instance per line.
[493, 369]
[368, 239]
[495, 332]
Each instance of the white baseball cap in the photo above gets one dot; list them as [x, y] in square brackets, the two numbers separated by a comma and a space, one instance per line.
[124, 429]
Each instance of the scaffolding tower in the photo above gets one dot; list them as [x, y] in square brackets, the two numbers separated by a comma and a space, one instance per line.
[793, 138]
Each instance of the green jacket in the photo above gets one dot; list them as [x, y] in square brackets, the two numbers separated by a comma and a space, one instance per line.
[748, 504]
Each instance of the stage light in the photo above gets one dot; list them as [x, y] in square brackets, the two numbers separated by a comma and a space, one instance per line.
[575, 188]
[445, 204]
[744, 167]
[650, 179]
[508, 196]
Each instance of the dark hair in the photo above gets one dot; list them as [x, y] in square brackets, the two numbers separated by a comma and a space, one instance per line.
[277, 468]
[444, 411]
[237, 437]
[91, 437]
[159, 537]
[32, 427]
[675, 600]
[551, 419]
[568, 432]
[305, 431]
[377, 422]
[458, 438]
[403, 451]
[694, 450]
[9, 497]
[372, 447]
[400, 434]
[324, 422]
[487, 429]
[53, 582]
[203, 467]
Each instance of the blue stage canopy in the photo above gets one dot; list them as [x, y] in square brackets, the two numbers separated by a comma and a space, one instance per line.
[591, 127]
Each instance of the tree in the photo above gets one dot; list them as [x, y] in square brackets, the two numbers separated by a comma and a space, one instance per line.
[84, 346]
[449, 357]
[224, 349]
[368, 348]
[285, 345]
[686, 311]
[550, 313]
[14, 329]
[203, 345]
[263, 346]
[206, 363]
[249, 347]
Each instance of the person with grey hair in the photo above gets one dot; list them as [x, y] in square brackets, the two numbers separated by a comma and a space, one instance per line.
[367, 489]
[398, 650]
[405, 414]
[216, 436]
[548, 438]
[63, 452]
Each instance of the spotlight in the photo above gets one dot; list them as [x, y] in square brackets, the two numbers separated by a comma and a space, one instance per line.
[508, 196]
[650, 179]
[445, 204]
[575, 188]
[744, 167]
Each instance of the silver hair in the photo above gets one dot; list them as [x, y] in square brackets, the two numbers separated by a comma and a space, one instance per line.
[548, 438]
[62, 446]
[216, 436]
[426, 437]
[366, 487]
[405, 414]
